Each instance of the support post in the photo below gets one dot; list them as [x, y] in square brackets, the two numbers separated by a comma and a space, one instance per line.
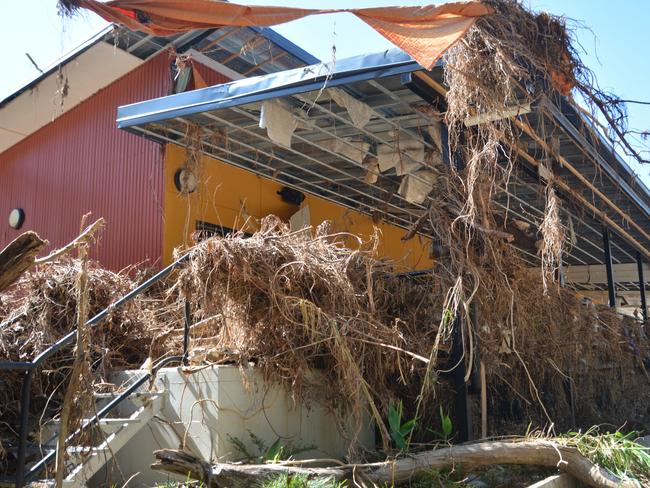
[644, 305]
[25, 396]
[458, 376]
[611, 291]
[186, 333]
[484, 428]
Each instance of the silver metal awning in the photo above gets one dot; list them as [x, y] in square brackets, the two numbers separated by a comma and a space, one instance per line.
[324, 154]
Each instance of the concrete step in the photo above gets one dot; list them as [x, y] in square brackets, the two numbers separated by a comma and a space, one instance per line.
[85, 449]
[114, 421]
[136, 395]
[123, 429]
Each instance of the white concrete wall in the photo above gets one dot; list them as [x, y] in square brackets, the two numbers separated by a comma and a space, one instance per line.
[203, 408]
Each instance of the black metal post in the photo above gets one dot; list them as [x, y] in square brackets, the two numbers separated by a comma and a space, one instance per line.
[644, 304]
[458, 375]
[186, 333]
[608, 267]
[25, 396]
[474, 385]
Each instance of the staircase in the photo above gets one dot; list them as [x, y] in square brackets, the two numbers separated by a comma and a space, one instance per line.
[85, 461]
[106, 437]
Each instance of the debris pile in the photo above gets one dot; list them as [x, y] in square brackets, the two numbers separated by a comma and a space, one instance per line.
[41, 308]
[539, 343]
[338, 325]
[557, 359]
[295, 303]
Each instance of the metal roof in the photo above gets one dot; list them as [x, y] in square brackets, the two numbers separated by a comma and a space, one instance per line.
[260, 88]
[249, 51]
[596, 185]
[233, 52]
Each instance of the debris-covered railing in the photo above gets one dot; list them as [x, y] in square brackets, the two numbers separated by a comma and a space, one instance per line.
[22, 475]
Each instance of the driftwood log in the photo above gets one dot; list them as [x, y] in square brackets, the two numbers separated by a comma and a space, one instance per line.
[20, 254]
[537, 453]
[18, 257]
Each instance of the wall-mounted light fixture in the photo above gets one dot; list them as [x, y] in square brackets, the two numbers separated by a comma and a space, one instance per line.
[185, 181]
[289, 195]
[16, 218]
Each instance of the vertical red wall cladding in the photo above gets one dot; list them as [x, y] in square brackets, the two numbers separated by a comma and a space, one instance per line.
[82, 163]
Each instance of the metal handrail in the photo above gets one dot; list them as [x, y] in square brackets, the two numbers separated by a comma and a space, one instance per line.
[28, 367]
[33, 471]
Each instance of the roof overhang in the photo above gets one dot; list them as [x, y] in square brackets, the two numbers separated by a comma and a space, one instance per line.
[114, 51]
[87, 70]
[597, 187]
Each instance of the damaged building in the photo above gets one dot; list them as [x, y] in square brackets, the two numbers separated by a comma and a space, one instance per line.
[312, 243]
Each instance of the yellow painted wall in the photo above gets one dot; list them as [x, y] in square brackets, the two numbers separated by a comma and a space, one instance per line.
[228, 196]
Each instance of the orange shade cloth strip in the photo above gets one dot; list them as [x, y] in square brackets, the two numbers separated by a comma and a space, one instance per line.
[425, 33]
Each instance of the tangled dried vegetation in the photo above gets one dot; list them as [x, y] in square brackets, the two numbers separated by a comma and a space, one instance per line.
[538, 340]
[41, 308]
[293, 303]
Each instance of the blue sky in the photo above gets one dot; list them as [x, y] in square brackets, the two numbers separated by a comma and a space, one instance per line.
[615, 38]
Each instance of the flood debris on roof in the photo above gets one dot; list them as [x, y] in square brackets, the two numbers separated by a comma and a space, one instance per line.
[423, 32]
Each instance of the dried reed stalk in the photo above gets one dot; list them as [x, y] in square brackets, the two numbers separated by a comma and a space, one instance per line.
[77, 396]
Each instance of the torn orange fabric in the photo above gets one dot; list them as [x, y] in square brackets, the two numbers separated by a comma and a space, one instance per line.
[425, 33]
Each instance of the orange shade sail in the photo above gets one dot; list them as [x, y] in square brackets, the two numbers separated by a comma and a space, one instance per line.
[425, 33]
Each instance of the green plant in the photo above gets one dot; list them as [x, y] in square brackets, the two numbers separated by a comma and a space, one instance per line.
[615, 451]
[400, 432]
[286, 481]
[267, 454]
[188, 483]
[446, 427]
[448, 316]
[275, 452]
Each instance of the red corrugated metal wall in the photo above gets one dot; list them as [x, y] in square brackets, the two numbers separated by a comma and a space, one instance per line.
[82, 163]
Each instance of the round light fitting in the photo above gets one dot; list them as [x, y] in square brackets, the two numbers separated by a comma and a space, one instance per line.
[16, 218]
[185, 181]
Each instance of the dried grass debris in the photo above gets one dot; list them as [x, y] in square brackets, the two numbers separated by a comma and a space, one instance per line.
[41, 308]
[295, 303]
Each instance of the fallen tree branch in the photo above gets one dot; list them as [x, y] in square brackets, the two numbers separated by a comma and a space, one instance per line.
[538, 453]
[20, 254]
[85, 235]
[18, 257]
[236, 475]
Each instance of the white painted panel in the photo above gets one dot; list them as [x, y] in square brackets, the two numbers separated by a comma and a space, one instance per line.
[89, 72]
[203, 409]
